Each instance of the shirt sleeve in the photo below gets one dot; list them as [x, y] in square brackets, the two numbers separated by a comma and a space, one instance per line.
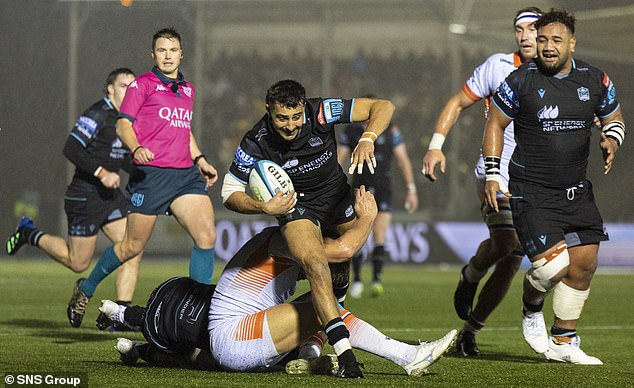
[86, 127]
[478, 85]
[608, 103]
[506, 97]
[76, 153]
[247, 154]
[135, 97]
[336, 111]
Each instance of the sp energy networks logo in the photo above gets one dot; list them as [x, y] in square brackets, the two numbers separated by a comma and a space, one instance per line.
[548, 112]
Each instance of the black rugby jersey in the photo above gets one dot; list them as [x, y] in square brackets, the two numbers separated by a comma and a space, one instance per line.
[95, 130]
[554, 117]
[383, 152]
[310, 159]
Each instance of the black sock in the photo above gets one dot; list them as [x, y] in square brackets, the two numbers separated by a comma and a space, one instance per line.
[378, 258]
[134, 316]
[340, 292]
[33, 236]
[356, 266]
[529, 308]
[557, 331]
[126, 303]
[338, 337]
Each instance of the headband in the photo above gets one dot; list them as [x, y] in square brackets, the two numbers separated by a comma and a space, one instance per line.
[526, 17]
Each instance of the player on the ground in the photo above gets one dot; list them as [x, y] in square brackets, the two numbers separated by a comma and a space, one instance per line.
[93, 200]
[154, 122]
[553, 101]
[298, 134]
[502, 248]
[251, 327]
[389, 144]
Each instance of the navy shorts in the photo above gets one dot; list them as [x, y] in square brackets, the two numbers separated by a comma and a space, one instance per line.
[324, 211]
[544, 216]
[151, 190]
[177, 315]
[88, 207]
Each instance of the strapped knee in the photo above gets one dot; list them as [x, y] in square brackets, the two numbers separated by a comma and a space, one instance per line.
[544, 270]
[568, 302]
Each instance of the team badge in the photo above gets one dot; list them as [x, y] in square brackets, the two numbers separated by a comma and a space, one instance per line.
[583, 93]
[137, 199]
[315, 141]
[188, 91]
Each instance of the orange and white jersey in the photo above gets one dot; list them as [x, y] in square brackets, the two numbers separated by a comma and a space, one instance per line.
[482, 85]
[258, 277]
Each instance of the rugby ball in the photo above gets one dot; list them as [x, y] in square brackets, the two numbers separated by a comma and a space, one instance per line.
[266, 179]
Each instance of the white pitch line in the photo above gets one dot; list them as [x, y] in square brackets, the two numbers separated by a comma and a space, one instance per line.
[491, 329]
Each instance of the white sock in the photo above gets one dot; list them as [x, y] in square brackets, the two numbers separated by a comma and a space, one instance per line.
[312, 347]
[366, 337]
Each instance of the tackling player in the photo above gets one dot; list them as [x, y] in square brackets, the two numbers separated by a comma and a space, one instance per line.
[250, 326]
[172, 175]
[93, 200]
[553, 101]
[298, 134]
[389, 144]
[502, 248]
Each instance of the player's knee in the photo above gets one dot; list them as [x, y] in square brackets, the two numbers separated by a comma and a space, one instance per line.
[509, 264]
[79, 266]
[130, 249]
[568, 302]
[549, 268]
[205, 238]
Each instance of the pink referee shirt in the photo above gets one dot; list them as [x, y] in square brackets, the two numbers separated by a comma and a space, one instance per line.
[161, 118]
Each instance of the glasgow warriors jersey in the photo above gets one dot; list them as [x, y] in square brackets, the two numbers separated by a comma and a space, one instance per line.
[310, 159]
[383, 152]
[95, 131]
[554, 116]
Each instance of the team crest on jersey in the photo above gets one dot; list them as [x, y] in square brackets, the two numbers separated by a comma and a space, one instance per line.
[315, 141]
[583, 93]
[137, 199]
[541, 92]
[188, 91]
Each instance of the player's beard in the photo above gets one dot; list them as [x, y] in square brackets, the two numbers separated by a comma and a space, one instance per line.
[551, 69]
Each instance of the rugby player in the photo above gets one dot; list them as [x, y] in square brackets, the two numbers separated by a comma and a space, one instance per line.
[172, 174]
[389, 144]
[298, 134]
[502, 248]
[93, 200]
[553, 101]
[250, 326]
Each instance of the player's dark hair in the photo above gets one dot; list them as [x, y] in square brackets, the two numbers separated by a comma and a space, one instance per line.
[113, 76]
[527, 9]
[287, 93]
[168, 33]
[557, 16]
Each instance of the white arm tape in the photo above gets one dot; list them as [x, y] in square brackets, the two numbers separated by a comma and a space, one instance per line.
[615, 130]
[436, 142]
[231, 185]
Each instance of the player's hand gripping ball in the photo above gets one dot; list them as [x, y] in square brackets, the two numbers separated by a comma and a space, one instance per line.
[266, 179]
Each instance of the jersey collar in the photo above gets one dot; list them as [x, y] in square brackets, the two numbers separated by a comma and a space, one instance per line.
[109, 103]
[179, 80]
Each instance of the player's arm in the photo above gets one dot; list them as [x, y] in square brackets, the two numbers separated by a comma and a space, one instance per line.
[405, 165]
[492, 145]
[447, 119]
[200, 160]
[612, 136]
[235, 198]
[378, 114]
[350, 242]
[126, 133]
[77, 155]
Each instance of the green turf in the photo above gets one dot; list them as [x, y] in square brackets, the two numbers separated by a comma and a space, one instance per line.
[417, 304]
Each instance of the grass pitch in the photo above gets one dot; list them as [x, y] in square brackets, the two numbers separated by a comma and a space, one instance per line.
[36, 337]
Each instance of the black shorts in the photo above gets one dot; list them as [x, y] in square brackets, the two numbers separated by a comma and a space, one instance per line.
[89, 207]
[177, 315]
[151, 190]
[325, 211]
[382, 194]
[544, 216]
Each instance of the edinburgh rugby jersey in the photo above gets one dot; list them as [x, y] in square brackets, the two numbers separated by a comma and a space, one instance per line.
[554, 116]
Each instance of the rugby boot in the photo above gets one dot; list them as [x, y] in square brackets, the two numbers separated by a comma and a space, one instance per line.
[534, 331]
[350, 370]
[377, 289]
[570, 352]
[466, 344]
[20, 236]
[463, 296]
[428, 353]
[322, 365]
[356, 291]
[77, 305]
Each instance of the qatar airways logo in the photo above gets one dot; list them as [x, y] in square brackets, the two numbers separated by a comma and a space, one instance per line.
[177, 117]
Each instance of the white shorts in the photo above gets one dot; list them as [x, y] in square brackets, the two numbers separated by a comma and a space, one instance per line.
[244, 344]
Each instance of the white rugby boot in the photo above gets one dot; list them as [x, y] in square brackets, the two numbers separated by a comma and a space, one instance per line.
[356, 291]
[570, 352]
[322, 365]
[534, 331]
[428, 353]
